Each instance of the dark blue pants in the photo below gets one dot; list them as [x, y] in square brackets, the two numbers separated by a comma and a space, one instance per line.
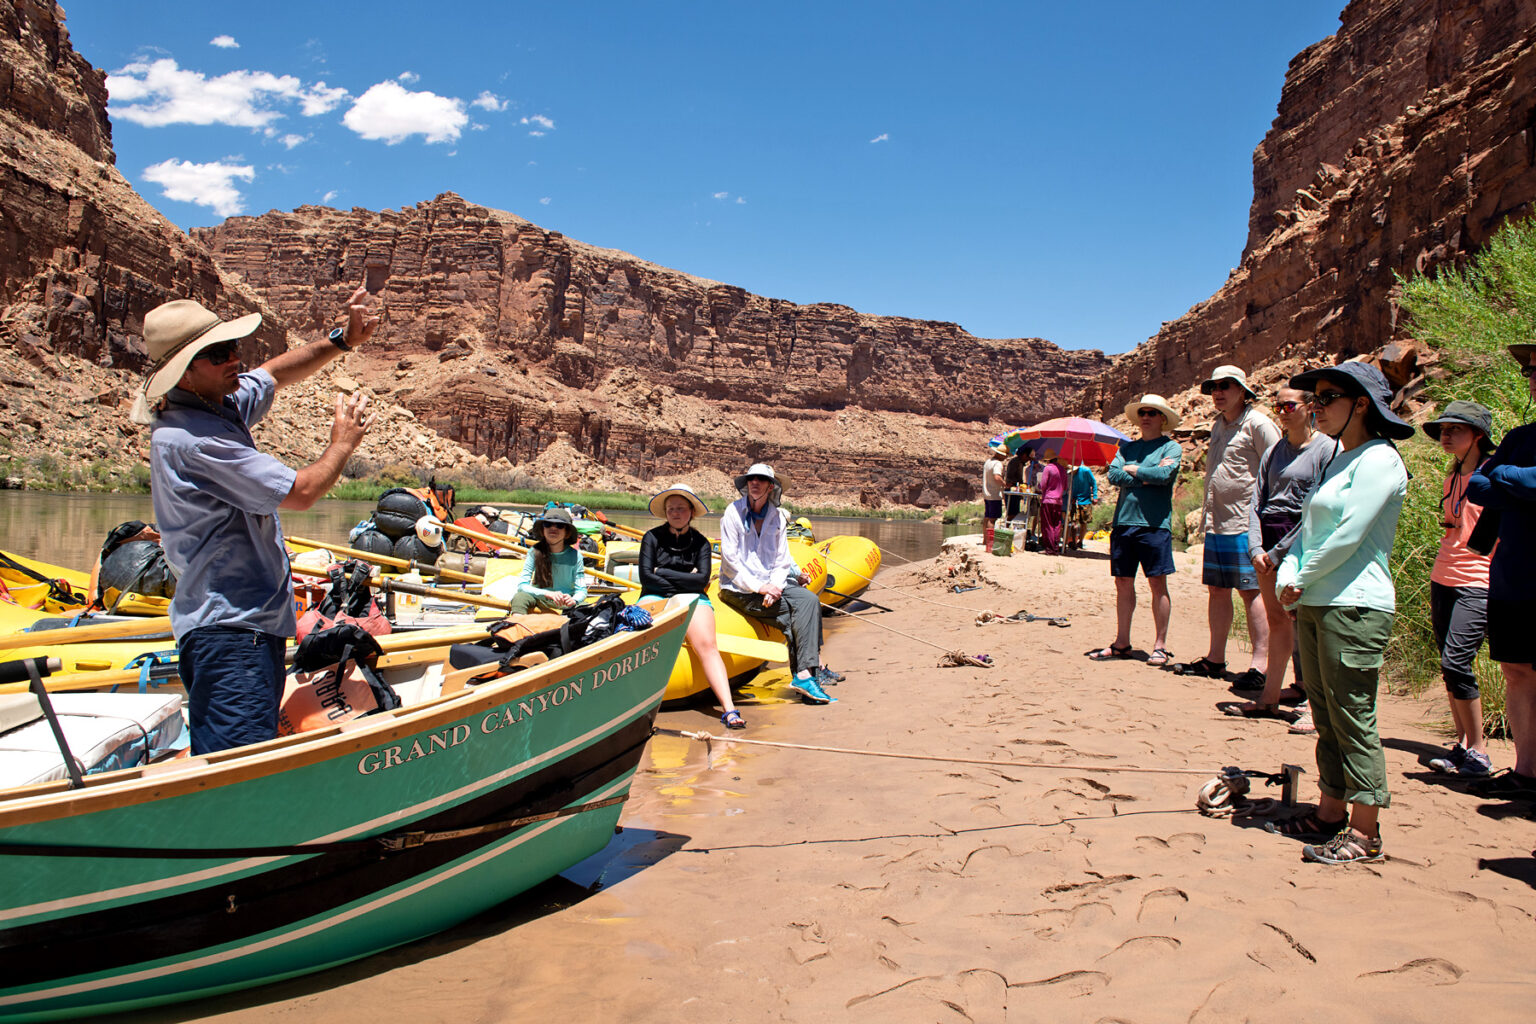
[234, 681]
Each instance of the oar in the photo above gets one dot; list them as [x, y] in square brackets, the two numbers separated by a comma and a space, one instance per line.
[627, 531]
[501, 540]
[148, 629]
[393, 563]
[511, 545]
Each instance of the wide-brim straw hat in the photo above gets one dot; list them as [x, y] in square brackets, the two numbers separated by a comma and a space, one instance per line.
[1470, 414]
[1227, 372]
[174, 333]
[1157, 402]
[765, 471]
[1361, 380]
[658, 504]
[998, 449]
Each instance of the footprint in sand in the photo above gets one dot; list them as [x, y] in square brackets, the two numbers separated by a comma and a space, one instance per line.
[1072, 983]
[1162, 906]
[1056, 923]
[1179, 842]
[1142, 948]
[1430, 970]
[1277, 949]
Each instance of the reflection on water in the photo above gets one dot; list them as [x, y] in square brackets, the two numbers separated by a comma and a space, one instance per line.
[67, 529]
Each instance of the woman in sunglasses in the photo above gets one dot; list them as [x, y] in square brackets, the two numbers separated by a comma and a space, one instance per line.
[1287, 474]
[1458, 584]
[1336, 577]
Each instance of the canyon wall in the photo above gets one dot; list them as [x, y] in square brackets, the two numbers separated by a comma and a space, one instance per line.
[1401, 143]
[504, 336]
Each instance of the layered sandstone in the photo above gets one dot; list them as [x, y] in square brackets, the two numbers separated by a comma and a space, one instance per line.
[505, 337]
[1402, 143]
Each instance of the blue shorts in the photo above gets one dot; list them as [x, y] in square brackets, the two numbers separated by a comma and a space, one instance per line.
[992, 508]
[1149, 547]
[1226, 562]
[234, 680]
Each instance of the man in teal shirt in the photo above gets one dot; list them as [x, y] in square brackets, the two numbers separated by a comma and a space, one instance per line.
[1085, 492]
[1144, 470]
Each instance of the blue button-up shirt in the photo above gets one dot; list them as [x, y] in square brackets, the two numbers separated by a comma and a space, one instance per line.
[216, 501]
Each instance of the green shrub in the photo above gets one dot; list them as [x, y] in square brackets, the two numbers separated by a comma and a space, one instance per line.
[963, 512]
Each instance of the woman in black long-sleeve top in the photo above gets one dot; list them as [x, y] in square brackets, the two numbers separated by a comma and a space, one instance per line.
[674, 567]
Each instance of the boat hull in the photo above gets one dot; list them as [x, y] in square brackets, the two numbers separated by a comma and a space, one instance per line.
[95, 931]
[851, 566]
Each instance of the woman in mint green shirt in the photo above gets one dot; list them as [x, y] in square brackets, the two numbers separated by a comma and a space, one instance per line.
[553, 577]
[1336, 577]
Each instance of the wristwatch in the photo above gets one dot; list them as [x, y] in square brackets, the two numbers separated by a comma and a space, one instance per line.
[339, 339]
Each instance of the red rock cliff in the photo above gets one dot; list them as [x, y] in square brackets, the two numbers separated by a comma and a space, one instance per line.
[1402, 142]
[507, 335]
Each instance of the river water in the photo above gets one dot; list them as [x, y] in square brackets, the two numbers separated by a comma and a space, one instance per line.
[67, 529]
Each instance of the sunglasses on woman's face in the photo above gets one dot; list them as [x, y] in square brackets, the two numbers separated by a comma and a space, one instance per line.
[1288, 406]
[1147, 413]
[219, 354]
[1323, 399]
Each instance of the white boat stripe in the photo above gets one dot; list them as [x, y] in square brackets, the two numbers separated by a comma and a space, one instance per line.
[159, 884]
[311, 929]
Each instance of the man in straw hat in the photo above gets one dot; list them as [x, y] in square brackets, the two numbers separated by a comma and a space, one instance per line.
[992, 484]
[1240, 435]
[1142, 535]
[216, 498]
[758, 577]
[1505, 486]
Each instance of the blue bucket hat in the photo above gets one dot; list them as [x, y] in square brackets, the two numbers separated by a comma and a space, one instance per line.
[1361, 379]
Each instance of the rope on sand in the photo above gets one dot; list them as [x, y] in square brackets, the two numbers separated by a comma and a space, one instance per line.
[709, 738]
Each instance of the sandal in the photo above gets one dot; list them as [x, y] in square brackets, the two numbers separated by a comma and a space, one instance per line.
[1205, 668]
[1159, 657]
[1305, 826]
[1348, 847]
[1110, 653]
[1252, 679]
[1304, 726]
[1254, 709]
[733, 720]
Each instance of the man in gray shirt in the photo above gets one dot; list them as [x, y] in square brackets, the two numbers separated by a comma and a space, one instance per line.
[216, 499]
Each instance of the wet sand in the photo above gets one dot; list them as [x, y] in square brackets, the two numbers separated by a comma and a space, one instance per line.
[793, 885]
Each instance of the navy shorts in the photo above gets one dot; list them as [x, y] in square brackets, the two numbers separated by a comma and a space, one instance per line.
[1148, 547]
[1226, 562]
[992, 508]
[234, 680]
[1510, 636]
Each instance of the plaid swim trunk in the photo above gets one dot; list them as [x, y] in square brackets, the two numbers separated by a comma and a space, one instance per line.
[1226, 562]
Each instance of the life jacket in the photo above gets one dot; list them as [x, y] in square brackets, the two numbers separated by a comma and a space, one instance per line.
[334, 679]
[350, 600]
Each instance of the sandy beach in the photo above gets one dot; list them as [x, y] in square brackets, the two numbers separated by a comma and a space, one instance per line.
[793, 885]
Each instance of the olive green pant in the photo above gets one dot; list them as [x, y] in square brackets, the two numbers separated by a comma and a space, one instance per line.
[1341, 649]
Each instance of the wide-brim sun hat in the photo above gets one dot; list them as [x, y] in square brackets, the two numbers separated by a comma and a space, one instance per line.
[1227, 372]
[1157, 402]
[1361, 380]
[1470, 414]
[765, 471]
[658, 504]
[998, 449]
[1523, 353]
[560, 517]
[175, 332]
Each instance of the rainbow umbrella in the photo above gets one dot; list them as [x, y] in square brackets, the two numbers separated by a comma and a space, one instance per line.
[1075, 439]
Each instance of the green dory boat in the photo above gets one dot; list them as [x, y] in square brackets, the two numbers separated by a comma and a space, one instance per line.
[204, 875]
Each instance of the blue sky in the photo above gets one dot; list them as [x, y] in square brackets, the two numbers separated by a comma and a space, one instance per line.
[1079, 172]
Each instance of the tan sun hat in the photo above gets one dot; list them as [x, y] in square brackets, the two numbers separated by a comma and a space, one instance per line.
[175, 332]
[1227, 372]
[658, 504]
[1156, 402]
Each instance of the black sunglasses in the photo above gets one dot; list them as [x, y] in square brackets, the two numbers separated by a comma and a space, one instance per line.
[219, 354]
[1148, 412]
[1323, 399]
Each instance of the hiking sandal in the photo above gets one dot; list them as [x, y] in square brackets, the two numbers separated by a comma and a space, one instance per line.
[1305, 826]
[1159, 657]
[1110, 653]
[1348, 847]
[733, 720]
[1204, 668]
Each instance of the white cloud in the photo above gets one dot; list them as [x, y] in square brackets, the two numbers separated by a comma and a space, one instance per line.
[209, 185]
[539, 121]
[159, 93]
[388, 112]
[332, 194]
[293, 140]
[721, 195]
[544, 201]
[537, 135]
[224, 42]
[408, 78]
[489, 101]
[882, 137]
[740, 201]
[321, 98]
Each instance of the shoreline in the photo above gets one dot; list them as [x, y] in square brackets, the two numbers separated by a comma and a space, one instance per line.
[793, 885]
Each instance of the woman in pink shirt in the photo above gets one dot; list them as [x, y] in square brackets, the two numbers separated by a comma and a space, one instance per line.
[1458, 584]
[1053, 496]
